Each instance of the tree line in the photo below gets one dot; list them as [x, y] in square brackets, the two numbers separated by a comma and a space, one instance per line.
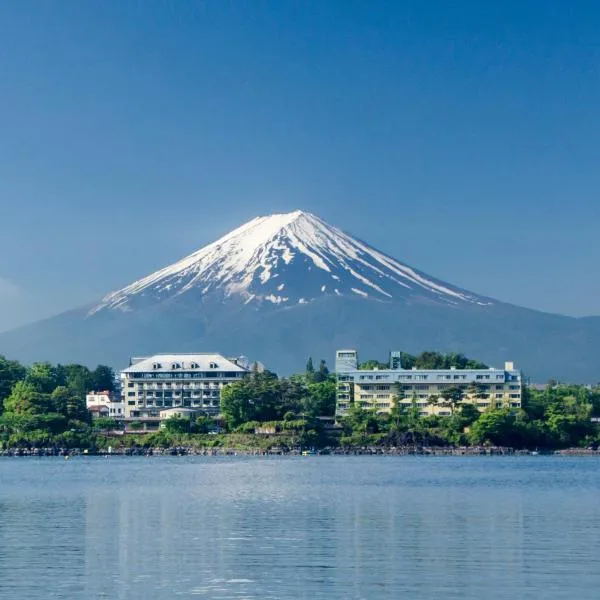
[44, 404]
[559, 416]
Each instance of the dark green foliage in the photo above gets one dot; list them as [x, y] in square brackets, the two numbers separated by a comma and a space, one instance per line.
[45, 377]
[558, 417]
[45, 404]
[178, 425]
[373, 364]
[205, 425]
[317, 376]
[103, 378]
[10, 372]
[260, 397]
[428, 360]
[452, 396]
[105, 424]
[310, 369]
[318, 399]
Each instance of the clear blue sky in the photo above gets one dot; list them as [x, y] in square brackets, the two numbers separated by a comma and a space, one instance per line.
[460, 137]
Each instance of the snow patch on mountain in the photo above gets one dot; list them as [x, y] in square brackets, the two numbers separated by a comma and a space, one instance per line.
[302, 253]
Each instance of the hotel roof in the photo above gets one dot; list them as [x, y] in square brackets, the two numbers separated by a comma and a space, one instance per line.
[183, 362]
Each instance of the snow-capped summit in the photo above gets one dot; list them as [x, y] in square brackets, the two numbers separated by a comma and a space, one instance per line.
[287, 259]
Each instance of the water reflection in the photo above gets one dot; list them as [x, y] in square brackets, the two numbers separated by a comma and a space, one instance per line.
[333, 528]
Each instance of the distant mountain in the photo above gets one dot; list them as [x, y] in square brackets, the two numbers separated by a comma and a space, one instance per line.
[285, 286]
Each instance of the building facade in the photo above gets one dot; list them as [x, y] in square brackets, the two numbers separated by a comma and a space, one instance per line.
[163, 381]
[432, 391]
[105, 404]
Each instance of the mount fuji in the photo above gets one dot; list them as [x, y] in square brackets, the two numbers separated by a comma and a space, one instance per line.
[285, 286]
[286, 259]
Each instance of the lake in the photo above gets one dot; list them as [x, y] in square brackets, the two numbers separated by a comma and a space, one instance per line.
[300, 527]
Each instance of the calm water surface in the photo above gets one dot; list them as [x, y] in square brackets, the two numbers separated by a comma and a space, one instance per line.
[313, 527]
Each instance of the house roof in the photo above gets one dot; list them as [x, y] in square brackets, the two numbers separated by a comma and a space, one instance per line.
[180, 409]
[186, 362]
[100, 408]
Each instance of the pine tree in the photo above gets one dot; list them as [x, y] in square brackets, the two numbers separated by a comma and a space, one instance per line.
[309, 365]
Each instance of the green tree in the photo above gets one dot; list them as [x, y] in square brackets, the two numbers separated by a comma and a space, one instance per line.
[453, 396]
[26, 399]
[67, 402]
[261, 397]
[433, 402]
[105, 424]
[78, 379]
[103, 378]
[319, 399]
[177, 425]
[494, 427]
[373, 364]
[310, 369]
[469, 414]
[204, 425]
[44, 377]
[11, 371]
[322, 374]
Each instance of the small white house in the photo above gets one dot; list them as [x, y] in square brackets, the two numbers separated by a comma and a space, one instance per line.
[113, 404]
[179, 412]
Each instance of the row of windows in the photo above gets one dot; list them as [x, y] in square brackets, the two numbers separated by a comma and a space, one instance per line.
[422, 386]
[193, 365]
[177, 386]
[198, 375]
[448, 376]
[375, 387]
[171, 403]
[406, 397]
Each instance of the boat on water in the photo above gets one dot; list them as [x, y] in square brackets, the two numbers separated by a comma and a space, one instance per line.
[308, 453]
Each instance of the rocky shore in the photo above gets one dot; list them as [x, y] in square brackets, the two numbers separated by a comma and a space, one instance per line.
[366, 451]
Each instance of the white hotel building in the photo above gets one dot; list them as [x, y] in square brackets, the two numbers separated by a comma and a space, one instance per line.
[155, 383]
[379, 389]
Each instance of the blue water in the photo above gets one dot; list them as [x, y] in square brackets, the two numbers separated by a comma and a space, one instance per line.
[312, 527]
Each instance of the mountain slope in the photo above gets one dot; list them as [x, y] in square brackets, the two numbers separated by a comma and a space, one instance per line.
[282, 287]
[287, 259]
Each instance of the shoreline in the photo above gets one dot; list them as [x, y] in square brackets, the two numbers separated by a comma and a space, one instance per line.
[365, 451]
